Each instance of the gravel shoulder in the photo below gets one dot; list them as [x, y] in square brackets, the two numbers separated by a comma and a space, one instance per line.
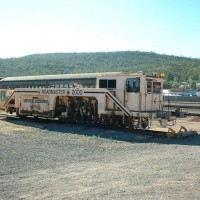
[49, 160]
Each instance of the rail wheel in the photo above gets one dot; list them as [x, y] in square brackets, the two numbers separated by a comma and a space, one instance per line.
[144, 123]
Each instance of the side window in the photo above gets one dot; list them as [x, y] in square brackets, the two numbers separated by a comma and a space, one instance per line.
[3, 95]
[149, 86]
[103, 84]
[133, 85]
[66, 85]
[110, 84]
[156, 87]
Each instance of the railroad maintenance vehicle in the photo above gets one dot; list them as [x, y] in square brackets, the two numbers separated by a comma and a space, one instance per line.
[111, 99]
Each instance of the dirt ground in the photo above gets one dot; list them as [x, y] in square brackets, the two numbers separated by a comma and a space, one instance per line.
[191, 123]
[50, 160]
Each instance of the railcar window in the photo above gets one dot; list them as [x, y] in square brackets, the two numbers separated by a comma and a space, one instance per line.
[106, 83]
[133, 85]
[156, 87]
[103, 84]
[3, 95]
[65, 85]
[112, 84]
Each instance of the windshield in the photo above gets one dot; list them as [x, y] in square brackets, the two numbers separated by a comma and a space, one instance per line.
[133, 85]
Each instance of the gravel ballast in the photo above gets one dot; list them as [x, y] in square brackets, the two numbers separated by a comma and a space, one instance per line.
[42, 159]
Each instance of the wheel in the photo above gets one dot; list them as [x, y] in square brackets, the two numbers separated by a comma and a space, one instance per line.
[144, 123]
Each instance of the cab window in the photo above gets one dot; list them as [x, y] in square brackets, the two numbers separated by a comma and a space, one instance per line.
[149, 86]
[133, 85]
[156, 87]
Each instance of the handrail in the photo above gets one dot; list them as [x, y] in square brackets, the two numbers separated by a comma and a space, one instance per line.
[9, 99]
[117, 102]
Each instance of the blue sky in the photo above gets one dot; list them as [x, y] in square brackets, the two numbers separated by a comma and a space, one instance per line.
[44, 26]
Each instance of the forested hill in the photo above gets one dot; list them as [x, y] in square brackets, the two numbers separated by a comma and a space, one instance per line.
[177, 69]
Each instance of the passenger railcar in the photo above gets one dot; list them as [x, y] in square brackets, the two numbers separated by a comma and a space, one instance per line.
[121, 99]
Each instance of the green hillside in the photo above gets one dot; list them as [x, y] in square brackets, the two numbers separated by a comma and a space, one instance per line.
[177, 69]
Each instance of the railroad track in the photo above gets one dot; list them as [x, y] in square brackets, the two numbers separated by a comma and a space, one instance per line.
[184, 105]
[144, 132]
[8, 115]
